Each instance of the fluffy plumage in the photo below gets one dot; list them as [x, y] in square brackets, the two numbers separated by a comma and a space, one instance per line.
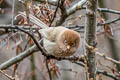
[60, 41]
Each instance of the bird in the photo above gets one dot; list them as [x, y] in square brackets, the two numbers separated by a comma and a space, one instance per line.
[60, 41]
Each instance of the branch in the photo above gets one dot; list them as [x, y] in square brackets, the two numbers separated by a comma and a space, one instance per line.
[4, 26]
[35, 41]
[32, 49]
[9, 77]
[76, 7]
[108, 10]
[18, 58]
[28, 52]
[34, 20]
[32, 61]
[108, 58]
[90, 38]
[109, 21]
[47, 66]
[70, 11]
[108, 74]
[105, 10]
[55, 12]
[52, 2]
[63, 14]
[8, 28]
[100, 72]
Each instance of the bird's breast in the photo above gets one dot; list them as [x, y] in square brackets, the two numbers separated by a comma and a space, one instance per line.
[62, 52]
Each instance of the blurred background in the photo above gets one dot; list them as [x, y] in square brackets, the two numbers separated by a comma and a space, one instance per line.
[68, 71]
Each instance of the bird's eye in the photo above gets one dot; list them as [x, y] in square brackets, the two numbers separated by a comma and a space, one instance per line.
[65, 41]
[73, 44]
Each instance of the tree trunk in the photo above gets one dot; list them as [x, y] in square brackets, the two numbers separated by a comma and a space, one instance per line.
[90, 37]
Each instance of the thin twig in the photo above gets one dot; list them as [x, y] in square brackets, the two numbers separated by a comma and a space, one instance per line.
[107, 74]
[35, 40]
[63, 14]
[8, 76]
[108, 10]
[79, 63]
[27, 5]
[55, 13]
[101, 72]
[32, 59]
[13, 8]
[70, 11]
[108, 58]
[109, 21]
[50, 77]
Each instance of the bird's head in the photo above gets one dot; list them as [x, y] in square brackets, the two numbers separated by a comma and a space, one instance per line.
[69, 40]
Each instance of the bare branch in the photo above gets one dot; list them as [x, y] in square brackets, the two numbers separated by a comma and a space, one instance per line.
[13, 8]
[47, 66]
[108, 10]
[108, 58]
[76, 7]
[70, 11]
[10, 28]
[63, 14]
[28, 52]
[32, 49]
[55, 12]
[9, 77]
[52, 2]
[109, 21]
[3, 26]
[18, 58]
[107, 74]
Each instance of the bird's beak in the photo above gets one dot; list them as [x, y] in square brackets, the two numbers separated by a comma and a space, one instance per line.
[68, 47]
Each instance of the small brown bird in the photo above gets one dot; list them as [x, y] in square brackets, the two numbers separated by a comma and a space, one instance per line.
[60, 41]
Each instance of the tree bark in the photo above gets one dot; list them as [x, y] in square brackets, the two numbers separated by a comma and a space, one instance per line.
[90, 37]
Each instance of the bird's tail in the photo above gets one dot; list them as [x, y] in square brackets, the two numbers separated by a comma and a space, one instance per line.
[34, 20]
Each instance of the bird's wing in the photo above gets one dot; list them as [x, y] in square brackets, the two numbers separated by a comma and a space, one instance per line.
[47, 32]
[34, 20]
[52, 33]
[49, 46]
